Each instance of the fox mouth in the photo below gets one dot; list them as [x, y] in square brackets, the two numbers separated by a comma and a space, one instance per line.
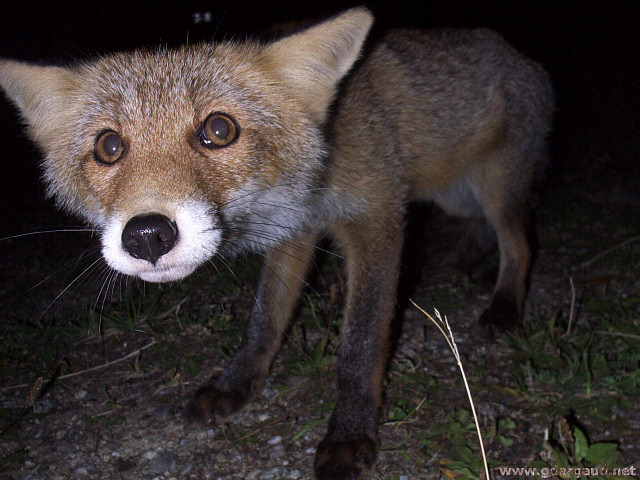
[166, 274]
[164, 271]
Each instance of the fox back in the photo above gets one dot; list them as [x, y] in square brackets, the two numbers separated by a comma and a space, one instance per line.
[445, 103]
[457, 117]
[180, 155]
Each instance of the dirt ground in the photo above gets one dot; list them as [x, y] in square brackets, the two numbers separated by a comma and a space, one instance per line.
[115, 408]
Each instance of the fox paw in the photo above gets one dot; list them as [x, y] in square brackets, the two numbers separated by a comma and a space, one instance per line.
[502, 314]
[347, 460]
[214, 407]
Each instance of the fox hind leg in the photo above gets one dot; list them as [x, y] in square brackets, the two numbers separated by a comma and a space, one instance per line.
[507, 303]
[506, 203]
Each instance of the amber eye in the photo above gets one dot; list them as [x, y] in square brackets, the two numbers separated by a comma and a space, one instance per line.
[218, 130]
[108, 147]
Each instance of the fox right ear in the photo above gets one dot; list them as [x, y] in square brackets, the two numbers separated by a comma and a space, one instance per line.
[312, 62]
[41, 94]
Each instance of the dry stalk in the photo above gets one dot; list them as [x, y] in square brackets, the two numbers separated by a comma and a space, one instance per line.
[448, 336]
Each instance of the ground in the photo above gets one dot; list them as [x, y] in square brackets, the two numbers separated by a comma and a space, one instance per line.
[126, 357]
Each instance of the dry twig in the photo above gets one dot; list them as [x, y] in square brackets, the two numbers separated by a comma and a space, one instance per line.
[82, 372]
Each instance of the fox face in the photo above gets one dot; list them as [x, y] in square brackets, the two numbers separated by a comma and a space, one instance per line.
[194, 159]
[177, 155]
[173, 155]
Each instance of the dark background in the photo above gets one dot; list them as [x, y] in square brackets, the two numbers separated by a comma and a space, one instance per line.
[591, 50]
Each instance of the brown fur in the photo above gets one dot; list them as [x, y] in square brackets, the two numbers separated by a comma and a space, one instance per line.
[454, 117]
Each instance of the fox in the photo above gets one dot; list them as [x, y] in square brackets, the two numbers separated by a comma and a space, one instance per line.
[179, 155]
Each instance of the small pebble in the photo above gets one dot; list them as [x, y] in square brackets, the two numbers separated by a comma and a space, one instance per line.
[80, 394]
[276, 472]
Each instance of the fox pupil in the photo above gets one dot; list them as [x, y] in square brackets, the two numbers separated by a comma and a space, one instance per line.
[220, 128]
[111, 144]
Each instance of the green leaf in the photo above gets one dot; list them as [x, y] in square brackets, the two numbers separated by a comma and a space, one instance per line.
[602, 453]
[560, 458]
[581, 445]
[505, 441]
[463, 416]
[396, 413]
[463, 454]
[505, 424]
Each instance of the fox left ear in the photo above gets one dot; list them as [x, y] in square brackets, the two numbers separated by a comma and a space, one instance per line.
[42, 94]
[311, 63]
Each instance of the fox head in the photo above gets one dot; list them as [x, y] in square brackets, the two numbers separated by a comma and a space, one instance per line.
[178, 155]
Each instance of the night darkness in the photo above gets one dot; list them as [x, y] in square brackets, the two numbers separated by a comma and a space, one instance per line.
[591, 50]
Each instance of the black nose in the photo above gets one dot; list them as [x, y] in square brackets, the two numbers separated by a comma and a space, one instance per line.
[148, 237]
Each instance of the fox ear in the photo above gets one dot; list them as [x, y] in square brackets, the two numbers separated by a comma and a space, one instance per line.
[312, 62]
[42, 94]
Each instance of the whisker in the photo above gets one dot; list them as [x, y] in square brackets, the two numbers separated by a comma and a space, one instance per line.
[305, 284]
[269, 222]
[267, 291]
[226, 263]
[60, 230]
[64, 267]
[108, 272]
[222, 17]
[274, 187]
[68, 286]
[258, 234]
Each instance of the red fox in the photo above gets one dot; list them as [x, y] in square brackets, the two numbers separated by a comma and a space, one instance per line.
[180, 155]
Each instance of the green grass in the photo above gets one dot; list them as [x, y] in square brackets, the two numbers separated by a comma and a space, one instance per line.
[598, 359]
[29, 346]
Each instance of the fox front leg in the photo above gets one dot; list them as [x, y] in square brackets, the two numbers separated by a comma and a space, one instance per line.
[348, 450]
[281, 280]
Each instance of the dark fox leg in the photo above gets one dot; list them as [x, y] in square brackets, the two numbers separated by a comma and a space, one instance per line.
[281, 280]
[508, 212]
[373, 256]
[507, 303]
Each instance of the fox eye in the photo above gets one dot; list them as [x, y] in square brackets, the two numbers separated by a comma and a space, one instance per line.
[108, 147]
[218, 130]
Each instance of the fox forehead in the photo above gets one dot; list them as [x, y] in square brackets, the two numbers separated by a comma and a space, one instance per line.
[165, 86]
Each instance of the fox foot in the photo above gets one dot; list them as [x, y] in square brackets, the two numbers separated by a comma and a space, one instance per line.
[344, 460]
[502, 314]
[211, 406]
